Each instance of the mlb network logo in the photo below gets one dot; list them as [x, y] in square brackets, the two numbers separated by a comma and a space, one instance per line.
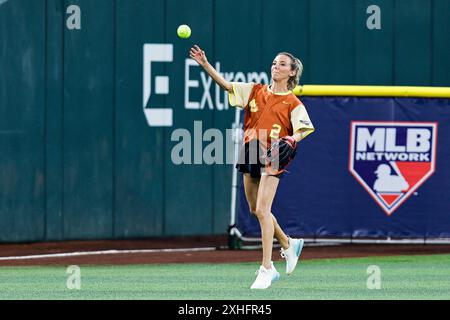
[392, 159]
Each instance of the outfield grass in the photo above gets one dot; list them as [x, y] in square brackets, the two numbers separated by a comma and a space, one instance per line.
[402, 277]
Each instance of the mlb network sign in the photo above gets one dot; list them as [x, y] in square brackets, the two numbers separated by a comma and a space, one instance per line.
[392, 159]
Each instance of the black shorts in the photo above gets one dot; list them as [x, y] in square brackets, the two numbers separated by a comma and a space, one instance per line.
[251, 160]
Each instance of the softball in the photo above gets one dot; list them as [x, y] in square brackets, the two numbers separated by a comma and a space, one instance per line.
[184, 31]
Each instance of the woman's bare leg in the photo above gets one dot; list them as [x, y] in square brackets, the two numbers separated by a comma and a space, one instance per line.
[279, 234]
[266, 193]
[251, 186]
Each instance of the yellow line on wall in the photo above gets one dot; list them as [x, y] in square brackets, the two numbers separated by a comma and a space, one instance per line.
[372, 91]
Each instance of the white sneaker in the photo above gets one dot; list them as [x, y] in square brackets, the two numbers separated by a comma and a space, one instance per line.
[292, 254]
[265, 277]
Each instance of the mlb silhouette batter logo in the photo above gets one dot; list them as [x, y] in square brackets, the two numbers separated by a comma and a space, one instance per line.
[392, 159]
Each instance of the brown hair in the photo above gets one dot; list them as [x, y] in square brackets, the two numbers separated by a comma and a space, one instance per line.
[297, 66]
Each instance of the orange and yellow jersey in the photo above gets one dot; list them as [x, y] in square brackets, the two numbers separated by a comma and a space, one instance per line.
[269, 115]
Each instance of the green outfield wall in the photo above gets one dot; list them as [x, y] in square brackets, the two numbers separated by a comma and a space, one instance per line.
[91, 92]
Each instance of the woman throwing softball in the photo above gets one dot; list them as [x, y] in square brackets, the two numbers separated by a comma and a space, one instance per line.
[273, 114]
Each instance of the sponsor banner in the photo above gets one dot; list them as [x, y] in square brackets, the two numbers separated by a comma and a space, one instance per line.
[392, 159]
[375, 167]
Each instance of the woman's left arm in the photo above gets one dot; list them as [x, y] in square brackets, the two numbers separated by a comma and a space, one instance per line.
[298, 135]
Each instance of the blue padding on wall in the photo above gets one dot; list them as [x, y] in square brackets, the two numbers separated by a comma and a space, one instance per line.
[328, 193]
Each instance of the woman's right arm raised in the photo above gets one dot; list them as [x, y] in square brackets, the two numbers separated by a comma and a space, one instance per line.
[199, 55]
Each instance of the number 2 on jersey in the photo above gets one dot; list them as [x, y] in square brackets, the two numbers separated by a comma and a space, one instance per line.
[275, 132]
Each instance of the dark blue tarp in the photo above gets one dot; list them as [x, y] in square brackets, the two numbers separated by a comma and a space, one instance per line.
[320, 197]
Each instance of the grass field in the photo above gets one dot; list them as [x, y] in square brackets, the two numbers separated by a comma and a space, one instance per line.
[402, 277]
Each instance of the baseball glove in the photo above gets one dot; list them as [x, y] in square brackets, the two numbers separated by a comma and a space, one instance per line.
[281, 153]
